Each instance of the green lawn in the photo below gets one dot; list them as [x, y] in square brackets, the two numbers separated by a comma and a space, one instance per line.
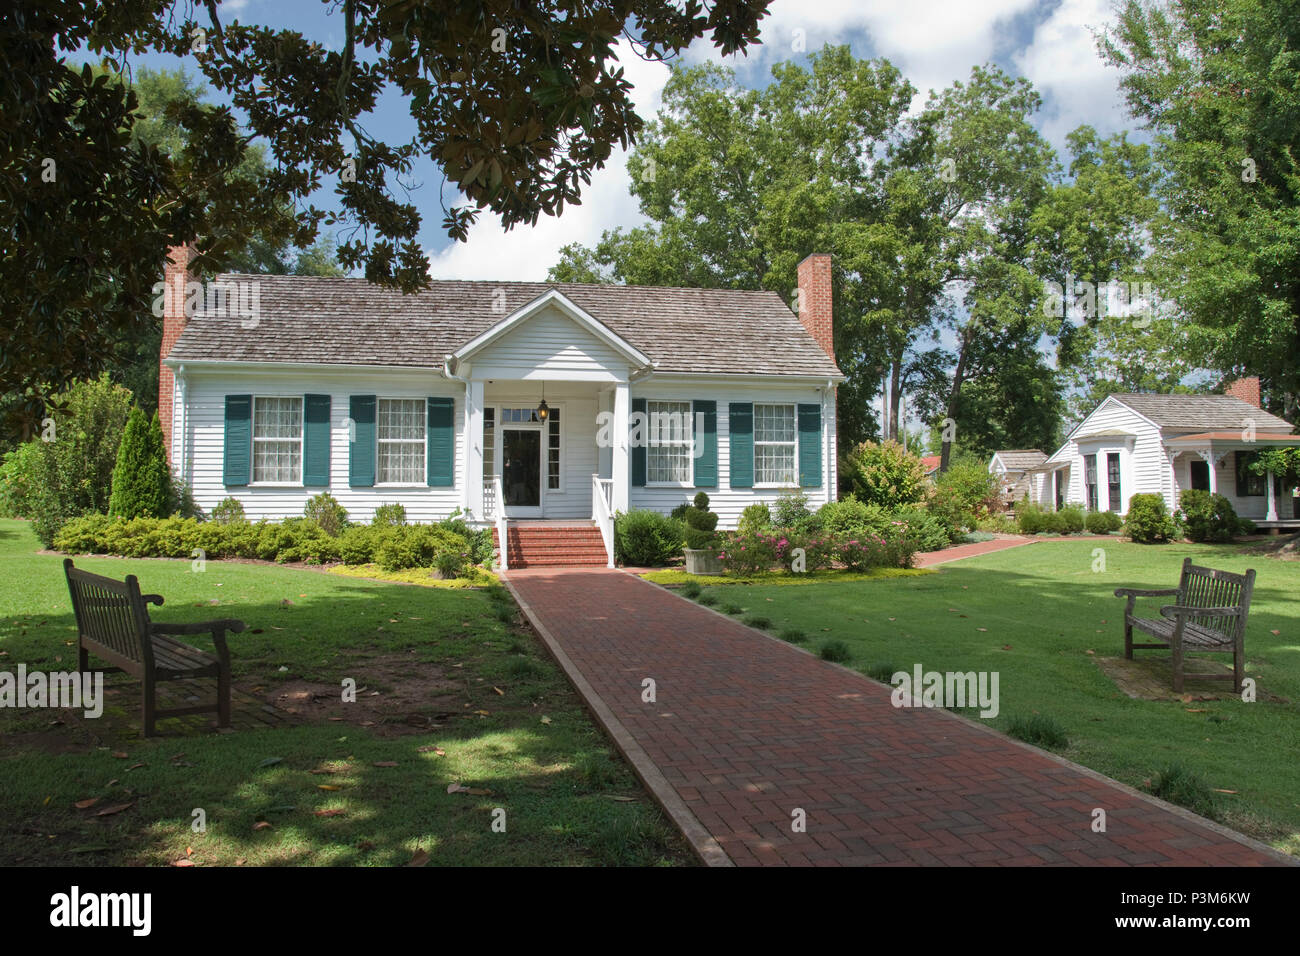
[1033, 614]
[569, 798]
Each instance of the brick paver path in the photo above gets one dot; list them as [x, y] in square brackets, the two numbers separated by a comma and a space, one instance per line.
[747, 729]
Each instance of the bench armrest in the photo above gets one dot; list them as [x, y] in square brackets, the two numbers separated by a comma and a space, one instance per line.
[1173, 611]
[216, 628]
[152, 599]
[1140, 592]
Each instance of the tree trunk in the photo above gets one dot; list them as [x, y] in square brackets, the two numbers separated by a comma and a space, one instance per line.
[895, 393]
[958, 377]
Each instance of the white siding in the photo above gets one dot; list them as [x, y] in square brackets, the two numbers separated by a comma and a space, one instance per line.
[549, 345]
[207, 391]
[1143, 466]
[729, 502]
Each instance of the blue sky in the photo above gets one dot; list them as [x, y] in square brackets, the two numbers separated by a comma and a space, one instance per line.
[934, 42]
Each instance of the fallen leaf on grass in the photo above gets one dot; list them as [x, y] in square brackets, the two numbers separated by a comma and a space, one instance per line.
[261, 825]
[184, 862]
[483, 713]
[109, 811]
[326, 786]
[620, 798]
[456, 788]
[1275, 632]
[1196, 710]
[1006, 647]
[499, 690]
[385, 763]
[120, 755]
[420, 858]
[546, 720]
[431, 749]
[85, 804]
[328, 813]
[135, 766]
[478, 791]
[1218, 790]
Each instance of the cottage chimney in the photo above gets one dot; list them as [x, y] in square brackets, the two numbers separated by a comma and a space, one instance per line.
[815, 300]
[1246, 389]
[176, 275]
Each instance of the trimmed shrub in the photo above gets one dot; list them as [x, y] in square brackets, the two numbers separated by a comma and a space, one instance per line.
[481, 549]
[732, 609]
[874, 551]
[1072, 519]
[790, 510]
[756, 517]
[330, 516]
[229, 511]
[451, 564]
[708, 599]
[884, 474]
[646, 538]
[417, 546]
[758, 621]
[1102, 522]
[141, 476]
[691, 589]
[793, 635]
[389, 516]
[1206, 517]
[850, 517]
[927, 532]
[997, 523]
[358, 544]
[1148, 519]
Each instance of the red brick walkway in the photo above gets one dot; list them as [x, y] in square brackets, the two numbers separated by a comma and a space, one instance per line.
[746, 730]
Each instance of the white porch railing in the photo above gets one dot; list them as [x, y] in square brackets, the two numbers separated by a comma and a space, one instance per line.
[602, 511]
[493, 508]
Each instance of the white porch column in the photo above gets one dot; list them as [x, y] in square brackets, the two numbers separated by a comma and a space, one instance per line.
[1272, 496]
[473, 471]
[622, 470]
[1212, 460]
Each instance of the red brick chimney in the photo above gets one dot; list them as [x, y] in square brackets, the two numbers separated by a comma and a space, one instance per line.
[175, 276]
[1246, 389]
[815, 300]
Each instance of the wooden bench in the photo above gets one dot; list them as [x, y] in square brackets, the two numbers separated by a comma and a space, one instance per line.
[1209, 614]
[113, 624]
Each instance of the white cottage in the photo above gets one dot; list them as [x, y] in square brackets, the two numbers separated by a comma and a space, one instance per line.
[1165, 444]
[521, 404]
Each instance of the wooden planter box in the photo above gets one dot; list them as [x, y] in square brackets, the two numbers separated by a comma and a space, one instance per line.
[704, 561]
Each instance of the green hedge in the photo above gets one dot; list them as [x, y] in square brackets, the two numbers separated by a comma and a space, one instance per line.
[1148, 520]
[294, 539]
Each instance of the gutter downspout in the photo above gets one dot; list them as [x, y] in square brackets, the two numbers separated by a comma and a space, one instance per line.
[182, 386]
[828, 466]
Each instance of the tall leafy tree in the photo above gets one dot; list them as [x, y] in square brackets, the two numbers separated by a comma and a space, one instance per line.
[516, 103]
[1216, 82]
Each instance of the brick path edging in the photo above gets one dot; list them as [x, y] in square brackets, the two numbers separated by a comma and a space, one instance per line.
[702, 843]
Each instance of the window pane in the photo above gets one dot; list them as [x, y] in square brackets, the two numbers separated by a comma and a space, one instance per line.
[489, 442]
[774, 464]
[668, 435]
[401, 419]
[277, 440]
[774, 423]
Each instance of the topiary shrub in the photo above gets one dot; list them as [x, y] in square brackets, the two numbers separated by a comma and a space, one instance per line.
[701, 524]
[141, 476]
[229, 510]
[1148, 520]
[755, 518]
[389, 516]
[1102, 522]
[330, 516]
[646, 539]
[1206, 517]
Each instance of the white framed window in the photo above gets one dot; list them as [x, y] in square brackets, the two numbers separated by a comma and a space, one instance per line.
[775, 445]
[668, 443]
[277, 440]
[401, 437]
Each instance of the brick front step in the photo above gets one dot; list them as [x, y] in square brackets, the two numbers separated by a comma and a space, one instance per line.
[554, 547]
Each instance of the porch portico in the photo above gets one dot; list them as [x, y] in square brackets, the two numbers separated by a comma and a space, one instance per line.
[1218, 462]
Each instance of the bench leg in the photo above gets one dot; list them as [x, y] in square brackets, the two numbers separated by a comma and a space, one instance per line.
[1177, 648]
[83, 659]
[223, 697]
[1128, 640]
[1238, 669]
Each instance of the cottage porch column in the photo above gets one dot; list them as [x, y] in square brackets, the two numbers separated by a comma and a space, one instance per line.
[1272, 496]
[622, 470]
[473, 470]
[1211, 459]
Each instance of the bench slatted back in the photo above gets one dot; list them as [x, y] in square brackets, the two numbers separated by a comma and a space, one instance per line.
[111, 615]
[1209, 587]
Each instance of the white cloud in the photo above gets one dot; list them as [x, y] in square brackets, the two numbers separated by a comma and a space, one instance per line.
[526, 253]
[1063, 64]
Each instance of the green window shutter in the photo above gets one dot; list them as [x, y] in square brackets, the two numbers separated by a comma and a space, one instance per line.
[638, 450]
[361, 449]
[706, 461]
[238, 458]
[810, 446]
[440, 449]
[740, 424]
[316, 440]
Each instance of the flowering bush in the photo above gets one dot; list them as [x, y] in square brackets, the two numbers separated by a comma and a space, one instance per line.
[746, 554]
[876, 551]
